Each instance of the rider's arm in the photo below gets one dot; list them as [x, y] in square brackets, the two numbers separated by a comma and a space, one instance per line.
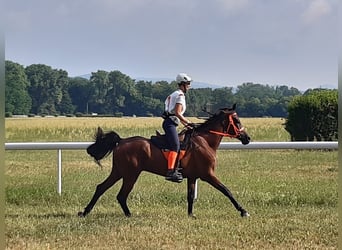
[178, 113]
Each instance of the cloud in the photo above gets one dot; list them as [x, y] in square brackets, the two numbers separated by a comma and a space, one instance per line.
[316, 10]
[214, 40]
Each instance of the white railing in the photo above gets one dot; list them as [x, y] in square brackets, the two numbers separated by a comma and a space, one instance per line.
[59, 146]
[280, 145]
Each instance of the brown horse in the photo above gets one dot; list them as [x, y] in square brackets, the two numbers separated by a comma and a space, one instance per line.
[133, 155]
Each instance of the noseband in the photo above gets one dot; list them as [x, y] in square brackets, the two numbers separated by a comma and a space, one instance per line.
[231, 126]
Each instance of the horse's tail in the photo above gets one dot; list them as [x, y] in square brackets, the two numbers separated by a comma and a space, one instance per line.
[103, 145]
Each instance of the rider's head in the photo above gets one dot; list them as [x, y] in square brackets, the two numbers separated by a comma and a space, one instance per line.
[183, 81]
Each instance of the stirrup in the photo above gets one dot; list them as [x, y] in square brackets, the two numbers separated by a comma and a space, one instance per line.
[174, 176]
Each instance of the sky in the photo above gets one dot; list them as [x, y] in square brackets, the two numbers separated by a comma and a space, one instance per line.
[221, 42]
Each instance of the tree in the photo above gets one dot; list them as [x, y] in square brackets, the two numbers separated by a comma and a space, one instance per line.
[148, 104]
[222, 98]
[121, 96]
[285, 91]
[256, 100]
[145, 88]
[66, 106]
[162, 89]
[18, 100]
[197, 100]
[63, 101]
[313, 115]
[44, 90]
[326, 117]
[81, 92]
[100, 84]
[299, 122]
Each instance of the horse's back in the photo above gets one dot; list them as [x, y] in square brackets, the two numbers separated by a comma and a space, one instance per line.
[138, 153]
[136, 145]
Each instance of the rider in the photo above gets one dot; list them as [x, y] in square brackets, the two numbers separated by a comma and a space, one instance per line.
[175, 106]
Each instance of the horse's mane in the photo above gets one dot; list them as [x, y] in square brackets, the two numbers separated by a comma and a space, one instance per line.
[212, 119]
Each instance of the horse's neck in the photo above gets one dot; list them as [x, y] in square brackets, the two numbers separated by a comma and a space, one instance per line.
[212, 140]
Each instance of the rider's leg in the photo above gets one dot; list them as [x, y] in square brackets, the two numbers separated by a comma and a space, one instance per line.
[172, 172]
[173, 140]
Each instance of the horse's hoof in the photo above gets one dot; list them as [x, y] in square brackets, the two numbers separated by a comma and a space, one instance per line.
[192, 216]
[244, 214]
[81, 214]
[128, 215]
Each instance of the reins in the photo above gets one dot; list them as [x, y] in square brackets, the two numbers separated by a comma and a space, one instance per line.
[230, 125]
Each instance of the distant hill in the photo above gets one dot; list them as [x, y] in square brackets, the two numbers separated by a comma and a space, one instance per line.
[86, 76]
[328, 86]
[200, 85]
[195, 85]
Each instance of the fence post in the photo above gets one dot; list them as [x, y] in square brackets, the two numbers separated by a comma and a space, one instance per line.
[196, 187]
[59, 171]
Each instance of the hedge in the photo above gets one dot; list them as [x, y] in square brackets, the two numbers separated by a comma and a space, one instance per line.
[313, 116]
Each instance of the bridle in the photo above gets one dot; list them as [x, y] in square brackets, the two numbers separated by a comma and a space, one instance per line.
[231, 127]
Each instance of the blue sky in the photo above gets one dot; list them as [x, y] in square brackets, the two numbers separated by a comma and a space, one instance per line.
[222, 42]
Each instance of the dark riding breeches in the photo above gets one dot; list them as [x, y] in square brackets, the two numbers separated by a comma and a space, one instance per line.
[171, 134]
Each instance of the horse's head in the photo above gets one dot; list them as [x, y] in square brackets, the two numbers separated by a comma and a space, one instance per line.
[225, 122]
[232, 126]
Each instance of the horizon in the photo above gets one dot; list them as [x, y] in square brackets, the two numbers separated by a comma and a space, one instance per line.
[214, 86]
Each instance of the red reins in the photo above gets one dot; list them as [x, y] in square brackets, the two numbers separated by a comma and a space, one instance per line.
[231, 124]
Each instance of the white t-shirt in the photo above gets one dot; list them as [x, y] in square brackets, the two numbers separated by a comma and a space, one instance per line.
[171, 101]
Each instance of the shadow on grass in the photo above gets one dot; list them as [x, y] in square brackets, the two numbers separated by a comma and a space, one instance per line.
[62, 215]
[41, 216]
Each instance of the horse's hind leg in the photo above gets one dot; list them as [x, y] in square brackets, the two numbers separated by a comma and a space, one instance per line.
[100, 189]
[126, 188]
[218, 185]
[191, 196]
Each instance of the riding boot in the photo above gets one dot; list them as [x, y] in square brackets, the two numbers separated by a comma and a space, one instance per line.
[172, 173]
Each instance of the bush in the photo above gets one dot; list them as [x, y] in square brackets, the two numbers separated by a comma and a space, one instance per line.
[118, 114]
[313, 116]
[8, 114]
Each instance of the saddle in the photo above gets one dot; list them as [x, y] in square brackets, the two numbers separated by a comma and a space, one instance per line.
[160, 141]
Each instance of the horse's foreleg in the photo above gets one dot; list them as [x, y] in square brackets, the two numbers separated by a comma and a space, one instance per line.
[212, 180]
[191, 195]
[126, 188]
[100, 189]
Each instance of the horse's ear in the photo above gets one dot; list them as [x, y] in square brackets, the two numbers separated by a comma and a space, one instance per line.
[99, 133]
[234, 106]
[204, 109]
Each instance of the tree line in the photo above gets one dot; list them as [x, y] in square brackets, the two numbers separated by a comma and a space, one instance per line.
[41, 90]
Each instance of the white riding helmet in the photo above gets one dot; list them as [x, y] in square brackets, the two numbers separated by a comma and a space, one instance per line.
[183, 78]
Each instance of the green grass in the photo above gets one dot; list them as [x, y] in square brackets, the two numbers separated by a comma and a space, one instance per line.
[290, 194]
[83, 129]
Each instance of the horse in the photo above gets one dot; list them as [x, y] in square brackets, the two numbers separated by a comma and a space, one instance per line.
[135, 154]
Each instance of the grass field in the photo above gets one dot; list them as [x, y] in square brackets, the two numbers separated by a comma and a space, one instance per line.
[290, 194]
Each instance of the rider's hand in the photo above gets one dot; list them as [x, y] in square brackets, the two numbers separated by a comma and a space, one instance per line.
[190, 125]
